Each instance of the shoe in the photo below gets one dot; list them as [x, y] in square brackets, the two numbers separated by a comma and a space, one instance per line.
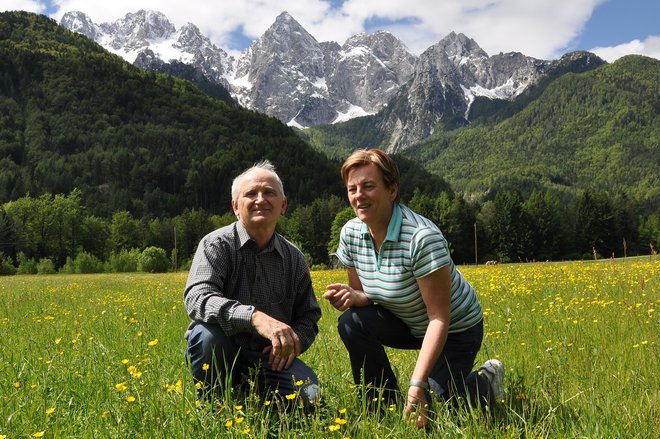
[493, 371]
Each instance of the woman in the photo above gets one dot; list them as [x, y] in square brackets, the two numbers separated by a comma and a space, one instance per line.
[405, 292]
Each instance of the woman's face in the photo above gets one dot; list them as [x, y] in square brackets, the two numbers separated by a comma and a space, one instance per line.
[369, 197]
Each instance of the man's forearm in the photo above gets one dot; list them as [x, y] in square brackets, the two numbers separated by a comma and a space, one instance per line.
[206, 306]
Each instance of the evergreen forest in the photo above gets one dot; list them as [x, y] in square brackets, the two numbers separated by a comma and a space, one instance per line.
[106, 167]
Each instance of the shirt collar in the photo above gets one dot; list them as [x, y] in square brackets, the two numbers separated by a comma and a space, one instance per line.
[244, 237]
[393, 228]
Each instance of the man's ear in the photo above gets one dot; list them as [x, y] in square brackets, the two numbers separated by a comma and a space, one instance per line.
[234, 207]
[285, 203]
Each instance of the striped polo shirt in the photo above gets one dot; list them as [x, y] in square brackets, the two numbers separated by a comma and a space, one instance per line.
[413, 248]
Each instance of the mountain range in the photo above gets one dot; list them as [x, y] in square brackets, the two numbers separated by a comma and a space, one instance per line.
[286, 73]
[73, 115]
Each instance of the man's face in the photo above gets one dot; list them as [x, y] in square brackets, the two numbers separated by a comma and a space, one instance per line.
[259, 202]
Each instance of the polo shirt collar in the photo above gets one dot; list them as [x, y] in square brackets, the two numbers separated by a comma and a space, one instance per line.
[393, 228]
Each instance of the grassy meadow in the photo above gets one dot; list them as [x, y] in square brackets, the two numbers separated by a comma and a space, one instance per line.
[102, 356]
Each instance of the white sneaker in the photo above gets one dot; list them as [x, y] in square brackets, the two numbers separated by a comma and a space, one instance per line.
[493, 371]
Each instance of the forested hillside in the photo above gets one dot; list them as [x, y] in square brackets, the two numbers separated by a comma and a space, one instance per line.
[101, 162]
[598, 130]
[74, 116]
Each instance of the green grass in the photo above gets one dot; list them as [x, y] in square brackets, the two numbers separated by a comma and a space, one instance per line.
[102, 356]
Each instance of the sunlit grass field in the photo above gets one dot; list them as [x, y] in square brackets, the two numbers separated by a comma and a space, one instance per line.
[102, 356]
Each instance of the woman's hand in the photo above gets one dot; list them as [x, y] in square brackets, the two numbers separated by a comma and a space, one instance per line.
[342, 297]
[417, 407]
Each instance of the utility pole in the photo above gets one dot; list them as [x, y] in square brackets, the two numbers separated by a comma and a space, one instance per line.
[175, 251]
[476, 259]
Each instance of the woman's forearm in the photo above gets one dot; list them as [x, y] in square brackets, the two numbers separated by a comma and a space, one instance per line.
[432, 346]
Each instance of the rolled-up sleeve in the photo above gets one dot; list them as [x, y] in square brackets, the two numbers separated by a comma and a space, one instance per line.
[306, 309]
[204, 296]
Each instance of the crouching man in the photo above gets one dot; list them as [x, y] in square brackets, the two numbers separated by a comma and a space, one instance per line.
[250, 299]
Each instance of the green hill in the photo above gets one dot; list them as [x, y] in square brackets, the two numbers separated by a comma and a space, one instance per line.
[74, 116]
[598, 130]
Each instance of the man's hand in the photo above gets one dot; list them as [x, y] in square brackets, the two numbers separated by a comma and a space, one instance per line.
[342, 297]
[285, 344]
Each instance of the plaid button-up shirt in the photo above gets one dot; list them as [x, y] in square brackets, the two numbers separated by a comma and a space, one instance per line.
[230, 278]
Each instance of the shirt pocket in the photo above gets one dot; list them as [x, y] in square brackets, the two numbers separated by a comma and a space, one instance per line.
[269, 285]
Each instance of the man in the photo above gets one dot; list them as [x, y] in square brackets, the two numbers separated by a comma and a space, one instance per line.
[249, 297]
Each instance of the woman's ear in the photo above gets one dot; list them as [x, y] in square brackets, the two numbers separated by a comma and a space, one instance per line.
[394, 192]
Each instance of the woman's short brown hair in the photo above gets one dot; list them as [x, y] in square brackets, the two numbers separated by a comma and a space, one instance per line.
[383, 161]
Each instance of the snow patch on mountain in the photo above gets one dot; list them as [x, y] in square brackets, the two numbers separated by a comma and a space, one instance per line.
[352, 112]
[286, 73]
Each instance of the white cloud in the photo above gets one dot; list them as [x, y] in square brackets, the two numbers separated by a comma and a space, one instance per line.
[216, 19]
[23, 5]
[539, 28]
[649, 47]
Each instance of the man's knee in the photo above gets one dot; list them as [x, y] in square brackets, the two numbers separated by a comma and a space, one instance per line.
[204, 338]
[209, 345]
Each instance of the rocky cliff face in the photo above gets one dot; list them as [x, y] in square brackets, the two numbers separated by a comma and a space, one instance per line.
[289, 75]
[286, 73]
[147, 37]
[447, 78]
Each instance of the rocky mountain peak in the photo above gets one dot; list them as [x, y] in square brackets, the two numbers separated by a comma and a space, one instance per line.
[286, 36]
[459, 46]
[80, 22]
[281, 71]
[286, 73]
[136, 30]
[190, 38]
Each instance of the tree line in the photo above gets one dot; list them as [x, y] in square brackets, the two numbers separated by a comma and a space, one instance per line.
[49, 234]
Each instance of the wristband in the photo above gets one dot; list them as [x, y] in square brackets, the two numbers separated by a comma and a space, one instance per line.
[417, 383]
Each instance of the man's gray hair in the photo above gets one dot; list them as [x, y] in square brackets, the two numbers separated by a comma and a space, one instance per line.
[266, 165]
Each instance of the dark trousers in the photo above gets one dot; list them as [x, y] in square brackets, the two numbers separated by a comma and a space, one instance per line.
[216, 362]
[367, 330]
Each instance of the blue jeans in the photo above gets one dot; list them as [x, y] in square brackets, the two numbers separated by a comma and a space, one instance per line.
[367, 330]
[228, 363]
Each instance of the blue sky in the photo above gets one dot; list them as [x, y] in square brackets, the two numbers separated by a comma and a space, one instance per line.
[544, 29]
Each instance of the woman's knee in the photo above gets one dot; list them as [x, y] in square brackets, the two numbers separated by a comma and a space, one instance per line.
[351, 324]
